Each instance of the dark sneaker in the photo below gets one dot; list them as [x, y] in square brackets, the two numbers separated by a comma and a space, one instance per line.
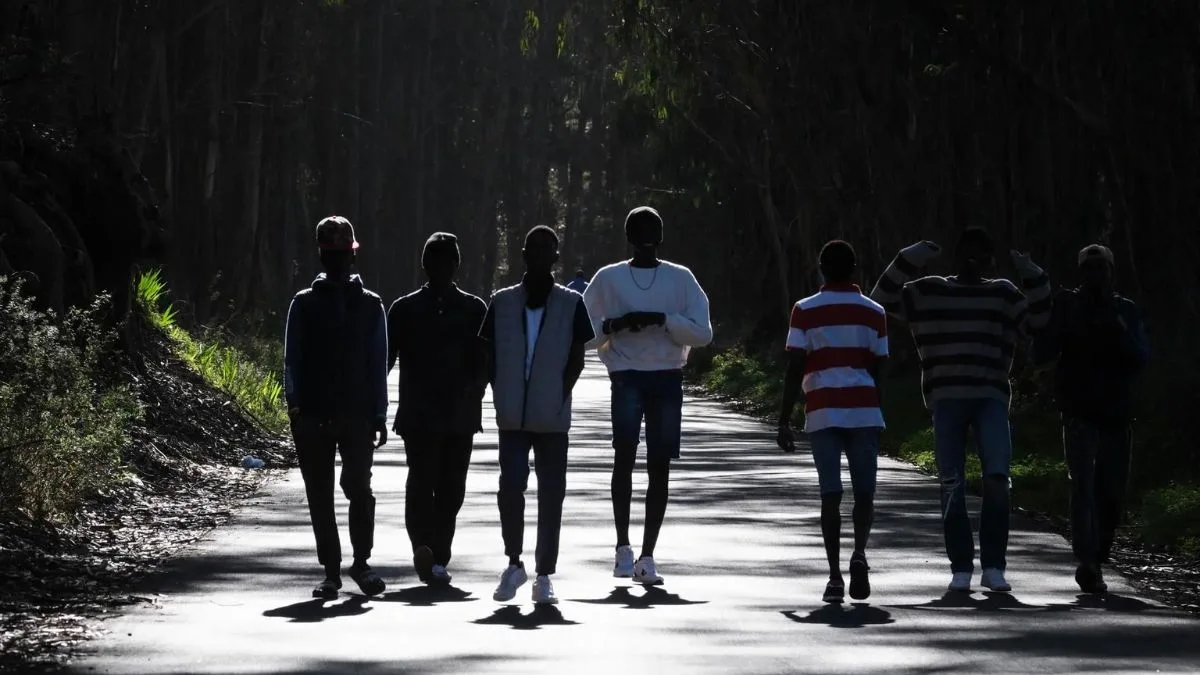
[1090, 579]
[366, 578]
[860, 579]
[835, 591]
[423, 563]
[328, 589]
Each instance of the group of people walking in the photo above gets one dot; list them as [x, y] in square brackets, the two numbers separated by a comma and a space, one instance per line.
[643, 315]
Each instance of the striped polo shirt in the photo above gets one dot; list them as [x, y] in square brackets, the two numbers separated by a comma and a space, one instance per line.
[844, 333]
[965, 334]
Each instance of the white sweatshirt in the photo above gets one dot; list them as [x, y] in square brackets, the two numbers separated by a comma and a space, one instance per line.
[671, 289]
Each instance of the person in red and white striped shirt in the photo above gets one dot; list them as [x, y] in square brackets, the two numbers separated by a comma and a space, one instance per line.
[836, 341]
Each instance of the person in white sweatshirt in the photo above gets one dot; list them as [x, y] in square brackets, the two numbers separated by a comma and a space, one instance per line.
[647, 314]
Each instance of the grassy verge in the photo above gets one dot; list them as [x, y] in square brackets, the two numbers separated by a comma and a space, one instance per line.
[1164, 500]
[247, 368]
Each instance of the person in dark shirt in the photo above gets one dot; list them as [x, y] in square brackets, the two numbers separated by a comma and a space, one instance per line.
[335, 382]
[432, 333]
[1100, 344]
[580, 283]
[534, 335]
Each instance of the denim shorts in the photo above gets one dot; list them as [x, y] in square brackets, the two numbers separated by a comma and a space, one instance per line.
[656, 396]
[861, 447]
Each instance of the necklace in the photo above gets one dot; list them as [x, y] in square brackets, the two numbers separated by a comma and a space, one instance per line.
[652, 278]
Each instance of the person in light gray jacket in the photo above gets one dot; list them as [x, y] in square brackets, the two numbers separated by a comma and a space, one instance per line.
[534, 335]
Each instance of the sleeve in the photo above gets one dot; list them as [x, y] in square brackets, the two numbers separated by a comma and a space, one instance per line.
[797, 338]
[582, 327]
[487, 330]
[1048, 343]
[292, 345]
[1036, 314]
[395, 325]
[379, 365]
[891, 292]
[692, 327]
[594, 302]
[880, 347]
[1137, 340]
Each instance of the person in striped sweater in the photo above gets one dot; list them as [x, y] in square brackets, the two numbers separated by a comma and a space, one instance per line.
[836, 340]
[966, 328]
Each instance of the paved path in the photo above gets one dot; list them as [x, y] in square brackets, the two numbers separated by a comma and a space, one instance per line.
[744, 567]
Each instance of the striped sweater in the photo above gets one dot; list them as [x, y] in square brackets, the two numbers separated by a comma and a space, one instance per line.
[965, 334]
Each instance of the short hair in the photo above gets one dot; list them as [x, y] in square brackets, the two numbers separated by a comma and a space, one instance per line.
[580, 273]
[441, 243]
[541, 231]
[642, 214]
[975, 234]
[837, 261]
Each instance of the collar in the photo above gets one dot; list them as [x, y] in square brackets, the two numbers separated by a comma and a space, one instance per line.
[842, 288]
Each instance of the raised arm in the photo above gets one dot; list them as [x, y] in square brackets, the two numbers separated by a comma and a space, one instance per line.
[692, 327]
[908, 263]
[1035, 284]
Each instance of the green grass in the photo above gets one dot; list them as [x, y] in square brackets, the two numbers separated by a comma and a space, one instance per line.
[1165, 512]
[248, 369]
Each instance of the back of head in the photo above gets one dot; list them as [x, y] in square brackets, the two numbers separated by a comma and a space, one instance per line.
[442, 245]
[838, 261]
[975, 236]
[580, 274]
[541, 234]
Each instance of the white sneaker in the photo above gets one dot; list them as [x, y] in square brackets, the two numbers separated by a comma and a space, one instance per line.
[543, 591]
[623, 569]
[513, 578]
[439, 575]
[993, 578]
[646, 572]
[961, 582]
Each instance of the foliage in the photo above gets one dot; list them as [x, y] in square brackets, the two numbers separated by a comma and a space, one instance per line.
[63, 414]
[245, 368]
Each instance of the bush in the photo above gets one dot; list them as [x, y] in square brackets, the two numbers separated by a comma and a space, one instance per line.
[247, 369]
[1170, 517]
[63, 414]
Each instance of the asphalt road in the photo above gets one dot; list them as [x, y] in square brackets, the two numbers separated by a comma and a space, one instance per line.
[744, 568]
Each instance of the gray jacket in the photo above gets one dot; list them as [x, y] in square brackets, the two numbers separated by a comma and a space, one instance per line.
[538, 405]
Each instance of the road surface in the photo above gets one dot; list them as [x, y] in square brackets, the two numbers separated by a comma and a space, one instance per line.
[744, 568]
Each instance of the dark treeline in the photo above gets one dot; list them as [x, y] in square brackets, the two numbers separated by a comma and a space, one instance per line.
[759, 128]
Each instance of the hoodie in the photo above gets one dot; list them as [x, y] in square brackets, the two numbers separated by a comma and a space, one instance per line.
[335, 351]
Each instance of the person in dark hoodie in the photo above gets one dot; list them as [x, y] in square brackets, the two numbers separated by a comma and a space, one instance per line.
[1100, 344]
[335, 381]
[534, 334]
[432, 336]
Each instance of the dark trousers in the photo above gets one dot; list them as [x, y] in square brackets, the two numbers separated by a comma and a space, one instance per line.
[433, 494]
[1098, 461]
[317, 444]
[550, 463]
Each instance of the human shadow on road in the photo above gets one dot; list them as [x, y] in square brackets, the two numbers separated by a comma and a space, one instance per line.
[542, 615]
[856, 615]
[313, 611]
[1109, 602]
[426, 596]
[653, 596]
[991, 602]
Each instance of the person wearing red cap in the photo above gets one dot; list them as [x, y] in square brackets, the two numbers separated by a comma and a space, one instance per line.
[335, 381]
[1099, 342]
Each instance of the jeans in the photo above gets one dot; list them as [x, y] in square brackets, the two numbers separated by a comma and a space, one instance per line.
[861, 447]
[550, 463]
[987, 419]
[1098, 462]
[317, 443]
[434, 491]
[658, 397]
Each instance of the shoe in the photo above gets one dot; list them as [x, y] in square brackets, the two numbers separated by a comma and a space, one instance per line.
[646, 572]
[440, 576]
[328, 589]
[543, 591]
[993, 578]
[834, 591]
[366, 578]
[1090, 579]
[423, 563]
[961, 582]
[623, 569]
[860, 579]
[513, 578]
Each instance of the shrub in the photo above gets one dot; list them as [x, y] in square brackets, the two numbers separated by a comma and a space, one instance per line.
[63, 413]
[1170, 517]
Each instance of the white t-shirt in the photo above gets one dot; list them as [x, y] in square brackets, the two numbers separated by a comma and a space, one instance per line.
[533, 326]
[670, 289]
